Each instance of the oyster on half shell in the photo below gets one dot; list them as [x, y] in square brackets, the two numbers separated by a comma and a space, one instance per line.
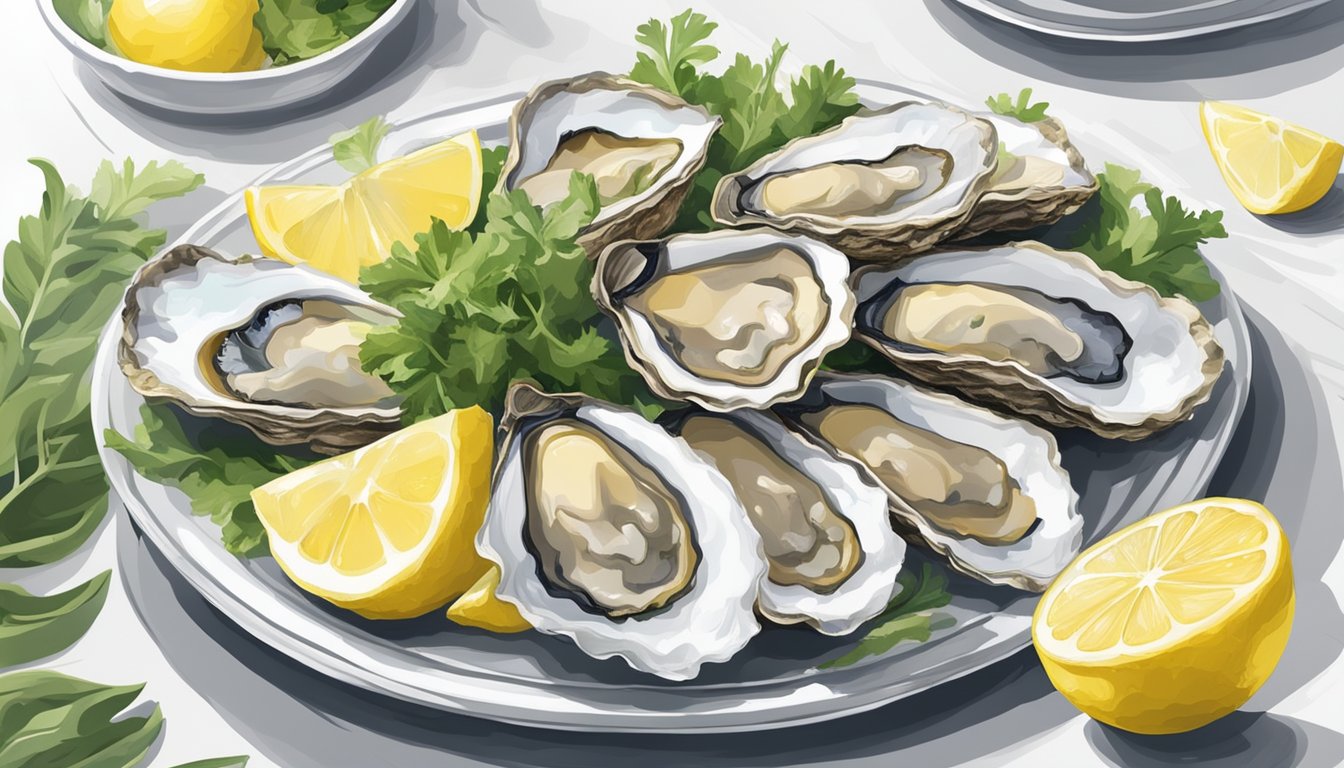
[258, 342]
[1041, 177]
[728, 319]
[1042, 333]
[986, 491]
[642, 146]
[832, 554]
[881, 185]
[612, 532]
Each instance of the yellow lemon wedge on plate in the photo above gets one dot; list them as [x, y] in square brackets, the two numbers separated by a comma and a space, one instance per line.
[1272, 166]
[1173, 622]
[387, 531]
[191, 35]
[479, 607]
[339, 229]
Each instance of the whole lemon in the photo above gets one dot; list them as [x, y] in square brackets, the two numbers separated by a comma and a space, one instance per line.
[191, 35]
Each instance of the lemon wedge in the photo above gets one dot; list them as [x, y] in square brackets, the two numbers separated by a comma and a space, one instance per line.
[1272, 166]
[339, 229]
[1173, 622]
[191, 35]
[479, 607]
[387, 531]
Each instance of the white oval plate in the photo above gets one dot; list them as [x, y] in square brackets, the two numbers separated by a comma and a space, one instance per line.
[542, 681]
[1136, 21]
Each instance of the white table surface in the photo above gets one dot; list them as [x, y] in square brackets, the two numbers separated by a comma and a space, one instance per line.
[223, 694]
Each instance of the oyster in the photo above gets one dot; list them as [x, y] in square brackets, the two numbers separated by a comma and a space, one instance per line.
[880, 185]
[728, 319]
[612, 532]
[1042, 333]
[262, 343]
[1041, 177]
[642, 146]
[832, 555]
[986, 491]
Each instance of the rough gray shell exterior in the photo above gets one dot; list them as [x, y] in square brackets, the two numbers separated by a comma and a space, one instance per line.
[324, 430]
[1032, 206]
[658, 208]
[881, 241]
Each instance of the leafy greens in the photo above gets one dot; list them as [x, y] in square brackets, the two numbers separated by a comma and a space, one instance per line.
[217, 470]
[356, 150]
[758, 117]
[63, 276]
[88, 18]
[36, 626]
[51, 720]
[909, 616]
[1020, 108]
[505, 299]
[1158, 246]
[294, 30]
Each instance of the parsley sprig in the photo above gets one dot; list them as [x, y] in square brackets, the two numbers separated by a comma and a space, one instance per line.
[506, 299]
[1020, 107]
[758, 117]
[1157, 244]
[909, 616]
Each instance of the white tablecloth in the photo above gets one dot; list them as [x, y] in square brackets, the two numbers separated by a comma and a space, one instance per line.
[223, 694]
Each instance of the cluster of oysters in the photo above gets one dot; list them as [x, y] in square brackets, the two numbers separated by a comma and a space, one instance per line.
[778, 491]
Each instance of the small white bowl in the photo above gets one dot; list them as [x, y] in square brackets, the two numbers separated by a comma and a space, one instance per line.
[228, 93]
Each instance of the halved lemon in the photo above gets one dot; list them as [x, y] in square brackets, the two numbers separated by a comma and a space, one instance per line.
[1173, 622]
[479, 607]
[387, 531]
[339, 229]
[1271, 165]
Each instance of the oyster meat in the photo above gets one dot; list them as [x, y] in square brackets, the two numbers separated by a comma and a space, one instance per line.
[612, 532]
[1041, 177]
[832, 555]
[1042, 333]
[880, 185]
[986, 491]
[729, 319]
[641, 145]
[265, 344]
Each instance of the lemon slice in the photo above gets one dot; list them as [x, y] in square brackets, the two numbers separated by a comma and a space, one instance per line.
[387, 531]
[1173, 622]
[479, 607]
[1271, 166]
[339, 229]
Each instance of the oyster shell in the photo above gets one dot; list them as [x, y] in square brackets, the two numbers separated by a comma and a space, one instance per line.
[1041, 179]
[612, 532]
[986, 491]
[258, 342]
[880, 185]
[832, 555]
[1042, 333]
[728, 319]
[642, 145]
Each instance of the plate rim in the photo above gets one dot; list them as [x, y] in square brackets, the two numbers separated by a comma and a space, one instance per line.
[993, 10]
[839, 703]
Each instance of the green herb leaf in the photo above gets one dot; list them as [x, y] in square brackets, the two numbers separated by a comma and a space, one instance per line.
[237, 761]
[63, 277]
[506, 301]
[88, 18]
[217, 472]
[908, 616]
[34, 626]
[293, 30]
[1158, 245]
[673, 51]
[757, 116]
[357, 149]
[50, 720]
[1020, 108]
